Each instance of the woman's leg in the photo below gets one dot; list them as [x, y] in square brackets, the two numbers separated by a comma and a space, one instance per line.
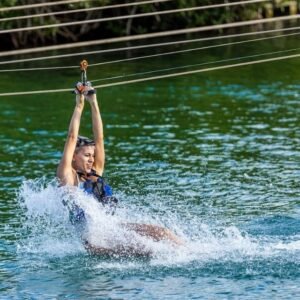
[155, 232]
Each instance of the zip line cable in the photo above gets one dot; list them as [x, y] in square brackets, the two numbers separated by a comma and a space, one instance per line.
[189, 50]
[171, 11]
[145, 46]
[188, 66]
[123, 5]
[82, 10]
[28, 6]
[152, 55]
[149, 35]
[193, 65]
[39, 69]
[159, 77]
[197, 71]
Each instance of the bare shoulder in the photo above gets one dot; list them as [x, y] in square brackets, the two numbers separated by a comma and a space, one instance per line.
[66, 176]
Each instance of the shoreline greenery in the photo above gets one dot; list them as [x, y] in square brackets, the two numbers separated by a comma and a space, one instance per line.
[115, 28]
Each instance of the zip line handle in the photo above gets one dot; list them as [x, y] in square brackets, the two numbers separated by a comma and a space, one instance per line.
[83, 68]
[83, 86]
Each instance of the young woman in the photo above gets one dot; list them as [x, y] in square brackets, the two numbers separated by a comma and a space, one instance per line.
[82, 165]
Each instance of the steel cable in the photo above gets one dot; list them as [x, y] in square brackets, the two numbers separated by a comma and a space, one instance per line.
[152, 55]
[194, 65]
[82, 10]
[148, 35]
[29, 6]
[159, 77]
[156, 13]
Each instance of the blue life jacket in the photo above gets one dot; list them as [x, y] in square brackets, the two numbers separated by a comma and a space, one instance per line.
[100, 190]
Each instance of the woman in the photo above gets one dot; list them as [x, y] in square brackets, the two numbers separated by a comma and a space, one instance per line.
[82, 165]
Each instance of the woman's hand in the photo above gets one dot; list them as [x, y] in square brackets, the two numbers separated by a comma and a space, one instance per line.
[91, 98]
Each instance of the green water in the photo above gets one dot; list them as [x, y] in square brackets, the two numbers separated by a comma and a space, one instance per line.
[214, 157]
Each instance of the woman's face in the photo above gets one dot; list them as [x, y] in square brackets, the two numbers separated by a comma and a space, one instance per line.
[83, 160]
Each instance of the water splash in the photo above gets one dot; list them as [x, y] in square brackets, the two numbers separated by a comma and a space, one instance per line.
[47, 231]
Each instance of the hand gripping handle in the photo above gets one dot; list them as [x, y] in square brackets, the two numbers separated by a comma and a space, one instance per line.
[83, 86]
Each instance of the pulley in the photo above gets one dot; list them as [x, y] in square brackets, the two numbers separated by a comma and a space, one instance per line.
[84, 86]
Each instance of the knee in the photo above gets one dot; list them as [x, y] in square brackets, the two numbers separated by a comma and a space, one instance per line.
[162, 231]
[167, 233]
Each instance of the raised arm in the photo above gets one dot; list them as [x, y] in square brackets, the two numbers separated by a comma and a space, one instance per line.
[64, 170]
[98, 134]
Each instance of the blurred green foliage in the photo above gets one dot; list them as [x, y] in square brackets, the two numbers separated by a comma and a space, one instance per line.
[117, 27]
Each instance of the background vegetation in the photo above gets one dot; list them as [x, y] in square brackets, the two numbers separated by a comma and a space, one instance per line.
[116, 28]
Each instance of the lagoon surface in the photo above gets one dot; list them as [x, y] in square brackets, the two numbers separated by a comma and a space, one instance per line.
[215, 157]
